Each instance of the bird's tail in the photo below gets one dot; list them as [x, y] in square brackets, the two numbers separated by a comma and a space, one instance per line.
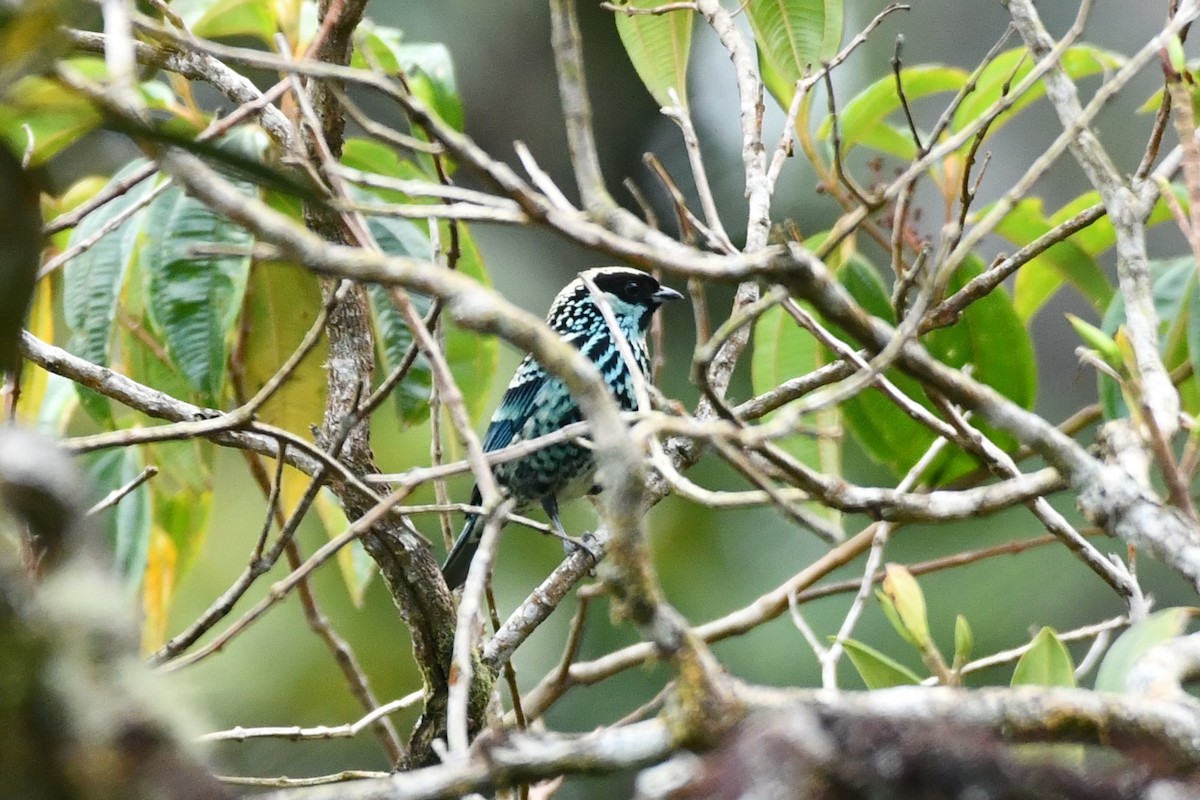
[458, 560]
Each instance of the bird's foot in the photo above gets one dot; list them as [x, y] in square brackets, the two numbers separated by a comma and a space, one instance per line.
[571, 544]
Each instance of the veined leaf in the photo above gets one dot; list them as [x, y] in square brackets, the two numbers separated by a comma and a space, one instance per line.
[658, 45]
[93, 280]
[864, 119]
[392, 334]
[194, 299]
[793, 37]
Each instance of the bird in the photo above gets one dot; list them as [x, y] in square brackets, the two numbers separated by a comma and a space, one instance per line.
[536, 403]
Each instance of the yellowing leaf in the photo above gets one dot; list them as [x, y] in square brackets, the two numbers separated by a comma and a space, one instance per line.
[158, 589]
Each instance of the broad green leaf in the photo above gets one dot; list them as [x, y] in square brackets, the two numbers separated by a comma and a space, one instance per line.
[411, 395]
[371, 156]
[127, 525]
[1100, 235]
[194, 299]
[225, 18]
[282, 304]
[782, 351]
[658, 45]
[392, 334]
[93, 281]
[793, 37]
[864, 119]
[375, 46]
[472, 358]
[52, 114]
[877, 670]
[1131, 645]
[1064, 262]
[1011, 67]
[1046, 663]
[989, 336]
[427, 67]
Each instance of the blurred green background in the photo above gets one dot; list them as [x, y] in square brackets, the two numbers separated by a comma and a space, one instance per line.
[710, 562]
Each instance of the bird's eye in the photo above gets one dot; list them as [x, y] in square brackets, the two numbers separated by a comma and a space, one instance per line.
[631, 289]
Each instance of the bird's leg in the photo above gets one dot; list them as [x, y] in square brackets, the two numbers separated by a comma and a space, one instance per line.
[570, 543]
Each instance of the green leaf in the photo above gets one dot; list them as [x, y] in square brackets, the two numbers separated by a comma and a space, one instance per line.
[782, 351]
[1011, 67]
[411, 395]
[964, 641]
[225, 18]
[430, 71]
[793, 38]
[1046, 663]
[906, 598]
[1064, 262]
[1174, 287]
[401, 237]
[375, 46]
[989, 336]
[356, 566]
[194, 299]
[864, 119]
[127, 525]
[183, 495]
[877, 670]
[1131, 645]
[1097, 340]
[282, 303]
[658, 45]
[473, 358]
[92, 282]
[53, 115]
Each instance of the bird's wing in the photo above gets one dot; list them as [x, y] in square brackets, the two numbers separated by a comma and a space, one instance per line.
[527, 391]
[519, 399]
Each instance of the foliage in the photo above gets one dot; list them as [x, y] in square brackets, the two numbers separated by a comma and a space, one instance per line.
[251, 279]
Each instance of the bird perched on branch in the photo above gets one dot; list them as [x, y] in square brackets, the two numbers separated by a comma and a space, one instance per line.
[536, 403]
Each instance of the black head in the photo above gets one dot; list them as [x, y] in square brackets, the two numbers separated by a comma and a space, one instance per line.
[633, 295]
[631, 286]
